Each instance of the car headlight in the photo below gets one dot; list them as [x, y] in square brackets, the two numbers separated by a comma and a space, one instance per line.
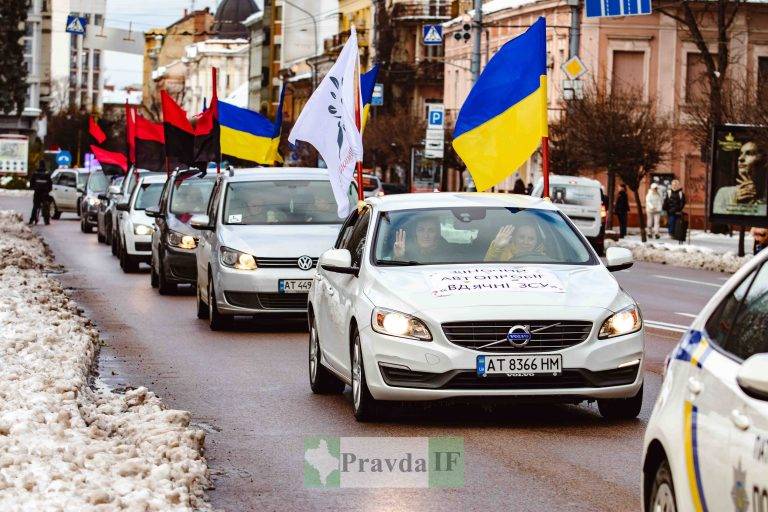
[399, 324]
[94, 201]
[236, 259]
[626, 321]
[141, 229]
[181, 240]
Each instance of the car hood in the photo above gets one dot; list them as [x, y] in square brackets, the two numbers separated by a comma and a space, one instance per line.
[280, 240]
[589, 287]
[139, 217]
[180, 224]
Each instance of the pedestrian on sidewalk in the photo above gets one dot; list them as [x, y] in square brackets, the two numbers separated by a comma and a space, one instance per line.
[42, 184]
[653, 204]
[674, 204]
[622, 210]
[761, 239]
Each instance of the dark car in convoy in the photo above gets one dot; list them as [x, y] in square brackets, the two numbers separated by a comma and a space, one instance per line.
[95, 186]
[174, 241]
[104, 213]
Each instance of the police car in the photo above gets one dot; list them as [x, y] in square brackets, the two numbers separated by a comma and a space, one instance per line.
[706, 446]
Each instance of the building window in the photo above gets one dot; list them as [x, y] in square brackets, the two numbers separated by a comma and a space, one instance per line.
[96, 59]
[696, 81]
[762, 79]
[628, 73]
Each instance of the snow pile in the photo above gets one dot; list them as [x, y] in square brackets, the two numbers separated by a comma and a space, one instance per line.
[64, 444]
[682, 255]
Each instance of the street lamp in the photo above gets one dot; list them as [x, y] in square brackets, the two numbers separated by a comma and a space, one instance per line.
[314, 22]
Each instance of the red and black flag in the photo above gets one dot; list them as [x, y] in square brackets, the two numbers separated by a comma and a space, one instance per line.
[97, 134]
[149, 144]
[207, 139]
[106, 157]
[178, 131]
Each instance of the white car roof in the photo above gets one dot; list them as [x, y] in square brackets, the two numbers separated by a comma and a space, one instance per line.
[276, 173]
[154, 178]
[458, 200]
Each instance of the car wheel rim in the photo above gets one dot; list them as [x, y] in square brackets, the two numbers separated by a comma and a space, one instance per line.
[664, 501]
[356, 376]
[313, 353]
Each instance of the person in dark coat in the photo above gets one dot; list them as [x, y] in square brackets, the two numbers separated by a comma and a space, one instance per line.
[674, 205]
[529, 189]
[42, 184]
[622, 210]
[518, 187]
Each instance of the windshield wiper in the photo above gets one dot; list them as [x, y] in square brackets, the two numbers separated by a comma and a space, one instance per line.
[397, 263]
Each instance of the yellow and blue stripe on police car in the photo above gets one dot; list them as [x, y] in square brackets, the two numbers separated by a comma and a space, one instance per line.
[694, 348]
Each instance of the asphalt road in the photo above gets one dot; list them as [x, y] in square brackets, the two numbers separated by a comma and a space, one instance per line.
[248, 389]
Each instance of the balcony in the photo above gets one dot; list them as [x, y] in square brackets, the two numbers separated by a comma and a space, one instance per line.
[422, 72]
[334, 44]
[426, 10]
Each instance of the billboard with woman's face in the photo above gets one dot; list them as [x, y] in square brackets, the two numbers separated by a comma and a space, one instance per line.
[739, 183]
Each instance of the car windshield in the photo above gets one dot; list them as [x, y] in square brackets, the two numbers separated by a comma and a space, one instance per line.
[98, 182]
[191, 196]
[578, 195]
[477, 235]
[280, 202]
[148, 195]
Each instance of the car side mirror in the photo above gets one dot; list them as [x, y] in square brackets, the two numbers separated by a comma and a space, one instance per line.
[153, 211]
[753, 376]
[122, 206]
[113, 189]
[339, 261]
[201, 222]
[618, 258]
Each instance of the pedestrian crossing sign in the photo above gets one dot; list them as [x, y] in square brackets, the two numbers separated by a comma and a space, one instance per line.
[432, 34]
[76, 24]
[574, 68]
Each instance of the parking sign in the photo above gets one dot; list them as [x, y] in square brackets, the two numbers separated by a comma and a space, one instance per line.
[435, 115]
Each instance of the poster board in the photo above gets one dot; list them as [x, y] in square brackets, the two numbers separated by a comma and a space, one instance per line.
[14, 151]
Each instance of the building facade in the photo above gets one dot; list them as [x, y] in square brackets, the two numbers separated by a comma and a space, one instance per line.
[229, 56]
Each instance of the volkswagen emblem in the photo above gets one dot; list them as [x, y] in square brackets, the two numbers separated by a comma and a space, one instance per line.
[519, 335]
[305, 263]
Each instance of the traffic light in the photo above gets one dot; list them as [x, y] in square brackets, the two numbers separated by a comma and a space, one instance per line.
[464, 33]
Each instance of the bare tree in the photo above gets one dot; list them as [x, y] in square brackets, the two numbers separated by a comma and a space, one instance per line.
[620, 133]
[389, 137]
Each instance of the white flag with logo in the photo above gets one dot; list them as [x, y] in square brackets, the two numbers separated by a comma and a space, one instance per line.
[327, 122]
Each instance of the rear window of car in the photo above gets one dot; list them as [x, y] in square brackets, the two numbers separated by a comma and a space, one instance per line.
[98, 182]
[370, 183]
[82, 178]
[578, 195]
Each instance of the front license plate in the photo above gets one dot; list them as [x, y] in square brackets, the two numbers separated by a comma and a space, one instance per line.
[520, 366]
[294, 285]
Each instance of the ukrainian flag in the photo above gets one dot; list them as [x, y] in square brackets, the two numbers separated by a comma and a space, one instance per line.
[367, 83]
[249, 135]
[504, 117]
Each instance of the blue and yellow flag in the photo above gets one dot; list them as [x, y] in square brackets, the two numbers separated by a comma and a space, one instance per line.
[249, 135]
[505, 115]
[367, 83]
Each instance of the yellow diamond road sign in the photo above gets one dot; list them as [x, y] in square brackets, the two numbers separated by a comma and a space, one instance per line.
[574, 68]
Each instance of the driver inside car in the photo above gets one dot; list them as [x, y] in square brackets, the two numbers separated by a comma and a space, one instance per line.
[426, 244]
[515, 243]
[255, 211]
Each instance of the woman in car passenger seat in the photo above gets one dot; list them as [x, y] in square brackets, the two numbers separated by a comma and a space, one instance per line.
[515, 242]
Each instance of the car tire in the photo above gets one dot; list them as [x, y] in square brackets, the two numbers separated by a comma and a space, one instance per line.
[100, 237]
[84, 226]
[55, 213]
[163, 286]
[127, 262]
[621, 408]
[216, 321]
[115, 246]
[321, 380]
[662, 497]
[365, 407]
[153, 280]
[202, 307]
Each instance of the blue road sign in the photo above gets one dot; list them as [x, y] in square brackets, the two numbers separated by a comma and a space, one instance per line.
[435, 118]
[76, 24]
[63, 158]
[432, 34]
[377, 99]
[608, 8]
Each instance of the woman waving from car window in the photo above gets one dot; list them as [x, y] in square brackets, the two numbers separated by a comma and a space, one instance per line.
[516, 243]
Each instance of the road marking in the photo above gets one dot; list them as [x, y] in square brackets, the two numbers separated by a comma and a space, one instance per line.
[666, 326]
[687, 280]
[689, 315]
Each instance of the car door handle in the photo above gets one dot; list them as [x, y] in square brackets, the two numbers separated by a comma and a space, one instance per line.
[740, 419]
[694, 385]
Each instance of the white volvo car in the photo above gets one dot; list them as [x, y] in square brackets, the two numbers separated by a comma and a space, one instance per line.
[135, 227]
[431, 296]
[260, 240]
[706, 445]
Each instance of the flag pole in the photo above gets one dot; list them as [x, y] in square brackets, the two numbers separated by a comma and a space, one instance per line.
[215, 73]
[545, 165]
[358, 124]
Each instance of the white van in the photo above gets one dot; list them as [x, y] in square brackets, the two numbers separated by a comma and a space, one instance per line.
[581, 200]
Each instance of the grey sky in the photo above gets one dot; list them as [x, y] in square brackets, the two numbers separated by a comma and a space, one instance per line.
[122, 69]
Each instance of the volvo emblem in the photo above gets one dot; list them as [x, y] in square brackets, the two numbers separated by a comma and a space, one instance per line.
[305, 263]
[519, 335]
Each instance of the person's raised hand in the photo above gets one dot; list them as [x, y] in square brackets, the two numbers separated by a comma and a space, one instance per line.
[504, 236]
[746, 192]
[399, 247]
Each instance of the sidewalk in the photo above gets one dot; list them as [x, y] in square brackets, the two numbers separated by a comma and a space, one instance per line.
[702, 250]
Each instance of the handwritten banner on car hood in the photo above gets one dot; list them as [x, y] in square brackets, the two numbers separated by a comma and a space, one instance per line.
[493, 279]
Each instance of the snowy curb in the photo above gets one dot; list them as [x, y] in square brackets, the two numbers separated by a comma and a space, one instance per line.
[66, 444]
[682, 255]
[8, 192]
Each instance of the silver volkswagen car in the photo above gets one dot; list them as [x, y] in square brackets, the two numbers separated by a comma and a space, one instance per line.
[260, 240]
